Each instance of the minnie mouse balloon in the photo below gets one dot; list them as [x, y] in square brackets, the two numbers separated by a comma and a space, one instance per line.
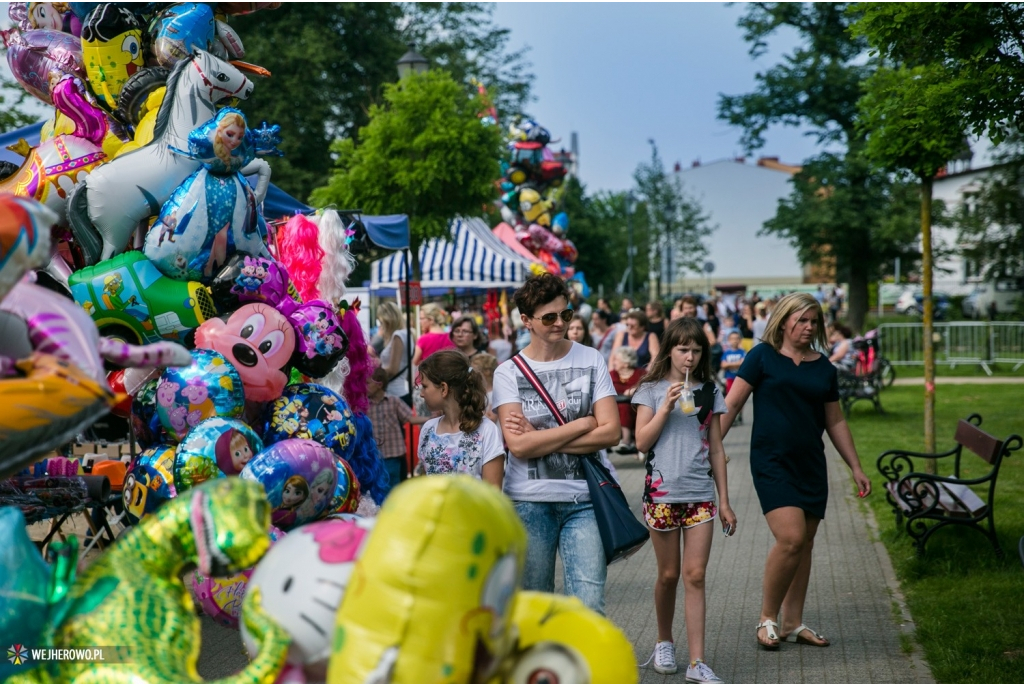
[300, 477]
[258, 341]
[245, 278]
[210, 386]
[320, 342]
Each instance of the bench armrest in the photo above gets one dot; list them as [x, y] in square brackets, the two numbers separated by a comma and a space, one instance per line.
[898, 461]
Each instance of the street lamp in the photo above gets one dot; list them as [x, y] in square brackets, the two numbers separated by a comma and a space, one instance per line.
[630, 249]
[412, 62]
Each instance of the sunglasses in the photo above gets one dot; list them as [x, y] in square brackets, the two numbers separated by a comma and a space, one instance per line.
[550, 318]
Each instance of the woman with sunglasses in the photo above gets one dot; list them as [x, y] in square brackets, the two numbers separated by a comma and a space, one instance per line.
[466, 336]
[544, 476]
[636, 335]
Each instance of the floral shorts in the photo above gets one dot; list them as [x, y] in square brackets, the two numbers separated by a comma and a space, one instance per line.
[672, 515]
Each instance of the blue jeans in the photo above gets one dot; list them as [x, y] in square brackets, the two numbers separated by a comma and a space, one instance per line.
[395, 466]
[570, 529]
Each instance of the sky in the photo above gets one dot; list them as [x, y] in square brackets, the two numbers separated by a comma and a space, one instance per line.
[622, 73]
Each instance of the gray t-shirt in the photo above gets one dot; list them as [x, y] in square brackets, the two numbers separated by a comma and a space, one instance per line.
[678, 466]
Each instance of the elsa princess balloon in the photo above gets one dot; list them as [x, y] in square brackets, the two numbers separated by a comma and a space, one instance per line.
[213, 213]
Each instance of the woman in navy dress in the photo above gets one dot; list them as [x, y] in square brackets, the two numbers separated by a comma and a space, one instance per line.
[796, 399]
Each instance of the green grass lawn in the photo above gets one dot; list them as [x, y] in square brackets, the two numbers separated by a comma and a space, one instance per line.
[968, 606]
[960, 370]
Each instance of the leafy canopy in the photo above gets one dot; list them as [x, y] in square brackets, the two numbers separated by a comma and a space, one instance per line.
[424, 153]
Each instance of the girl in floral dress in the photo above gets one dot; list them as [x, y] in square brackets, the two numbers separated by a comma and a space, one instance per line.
[462, 439]
[685, 466]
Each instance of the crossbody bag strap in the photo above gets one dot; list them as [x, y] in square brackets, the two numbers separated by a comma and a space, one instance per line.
[532, 379]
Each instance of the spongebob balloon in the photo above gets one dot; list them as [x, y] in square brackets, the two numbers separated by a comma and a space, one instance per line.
[563, 641]
[111, 50]
[431, 598]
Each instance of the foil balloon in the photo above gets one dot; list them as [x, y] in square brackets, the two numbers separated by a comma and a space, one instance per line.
[24, 588]
[259, 342]
[209, 387]
[145, 422]
[299, 477]
[179, 29]
[312, 412]
[221, 598]
[133, 594]
[213, 212]
[53, 16]
[305, 605]
[431, 596]
[562, 641]
[111, 50]
[149, 482]
[215, 446]
[39, 58]
[51, 169]
[346, 492]
[123, 409]
[24, 238]
[245, 278]
[320, 341]
[108, 206]
[47, 401]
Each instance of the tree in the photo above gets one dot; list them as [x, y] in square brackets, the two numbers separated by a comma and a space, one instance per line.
[913, 122]
[424, 153]
[979, 46]
[598, 229]
[330, 62]
[12, 96]
[676, 223]
[819, 85]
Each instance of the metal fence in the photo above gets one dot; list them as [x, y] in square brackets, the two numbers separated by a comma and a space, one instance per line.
[960, 342]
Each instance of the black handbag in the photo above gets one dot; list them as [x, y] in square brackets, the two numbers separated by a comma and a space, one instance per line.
[621, 534]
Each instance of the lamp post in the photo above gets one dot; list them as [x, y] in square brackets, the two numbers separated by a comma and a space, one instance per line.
[630, 250]
[412, 62]
[408, 64]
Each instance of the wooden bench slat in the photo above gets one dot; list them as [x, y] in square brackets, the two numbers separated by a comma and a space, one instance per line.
[978, 441]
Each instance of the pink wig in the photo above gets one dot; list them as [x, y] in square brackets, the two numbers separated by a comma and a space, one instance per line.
[301, 254]
[361, 364]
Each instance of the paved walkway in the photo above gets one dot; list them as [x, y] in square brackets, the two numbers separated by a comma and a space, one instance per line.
[853, 596]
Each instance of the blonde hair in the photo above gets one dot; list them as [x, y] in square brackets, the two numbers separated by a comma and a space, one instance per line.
[230, 119]
[627, 354]
[794, 303]
[434, 313]
[485, 364]
[391, 320]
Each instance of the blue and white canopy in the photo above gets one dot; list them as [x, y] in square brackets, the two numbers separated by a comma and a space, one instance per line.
[471, 258]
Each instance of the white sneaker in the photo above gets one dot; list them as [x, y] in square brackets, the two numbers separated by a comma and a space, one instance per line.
[664, 658]
[700, 672]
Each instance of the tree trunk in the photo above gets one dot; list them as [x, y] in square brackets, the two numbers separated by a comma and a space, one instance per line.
[857, 306]
[929, 345]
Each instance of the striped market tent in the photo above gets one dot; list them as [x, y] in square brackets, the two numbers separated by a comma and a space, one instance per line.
[472, 258]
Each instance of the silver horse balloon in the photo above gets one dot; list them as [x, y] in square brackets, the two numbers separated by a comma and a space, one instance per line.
[109, 205]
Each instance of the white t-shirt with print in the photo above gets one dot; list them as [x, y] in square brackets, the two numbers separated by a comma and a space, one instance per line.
[459, 452]
[575, 382]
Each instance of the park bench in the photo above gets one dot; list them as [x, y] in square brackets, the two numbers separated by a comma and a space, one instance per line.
[929, 502]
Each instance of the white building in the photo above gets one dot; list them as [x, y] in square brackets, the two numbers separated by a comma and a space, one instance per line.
[953, 274]
[739, 197]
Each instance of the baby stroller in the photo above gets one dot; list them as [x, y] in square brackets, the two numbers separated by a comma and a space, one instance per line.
[863, 381]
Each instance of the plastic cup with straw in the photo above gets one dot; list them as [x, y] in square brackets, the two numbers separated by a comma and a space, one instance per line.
[686, 398]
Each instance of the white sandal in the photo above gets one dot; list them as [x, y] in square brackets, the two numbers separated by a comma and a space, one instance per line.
[770, 627]
[795, 636]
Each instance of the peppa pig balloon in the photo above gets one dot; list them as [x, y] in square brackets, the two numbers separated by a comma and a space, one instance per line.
[209, 387]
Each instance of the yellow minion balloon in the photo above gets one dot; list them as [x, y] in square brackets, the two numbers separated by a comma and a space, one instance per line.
[562, 641]
[111, 50]
[431, 598]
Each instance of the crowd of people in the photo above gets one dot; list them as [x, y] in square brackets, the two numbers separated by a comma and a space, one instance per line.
[666, 386]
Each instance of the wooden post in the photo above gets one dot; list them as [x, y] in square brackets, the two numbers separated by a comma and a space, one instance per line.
[929, 344]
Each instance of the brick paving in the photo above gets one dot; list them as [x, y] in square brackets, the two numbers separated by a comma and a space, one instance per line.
[853, 596]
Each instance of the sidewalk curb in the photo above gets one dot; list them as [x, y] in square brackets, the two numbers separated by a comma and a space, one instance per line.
[907, 626]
